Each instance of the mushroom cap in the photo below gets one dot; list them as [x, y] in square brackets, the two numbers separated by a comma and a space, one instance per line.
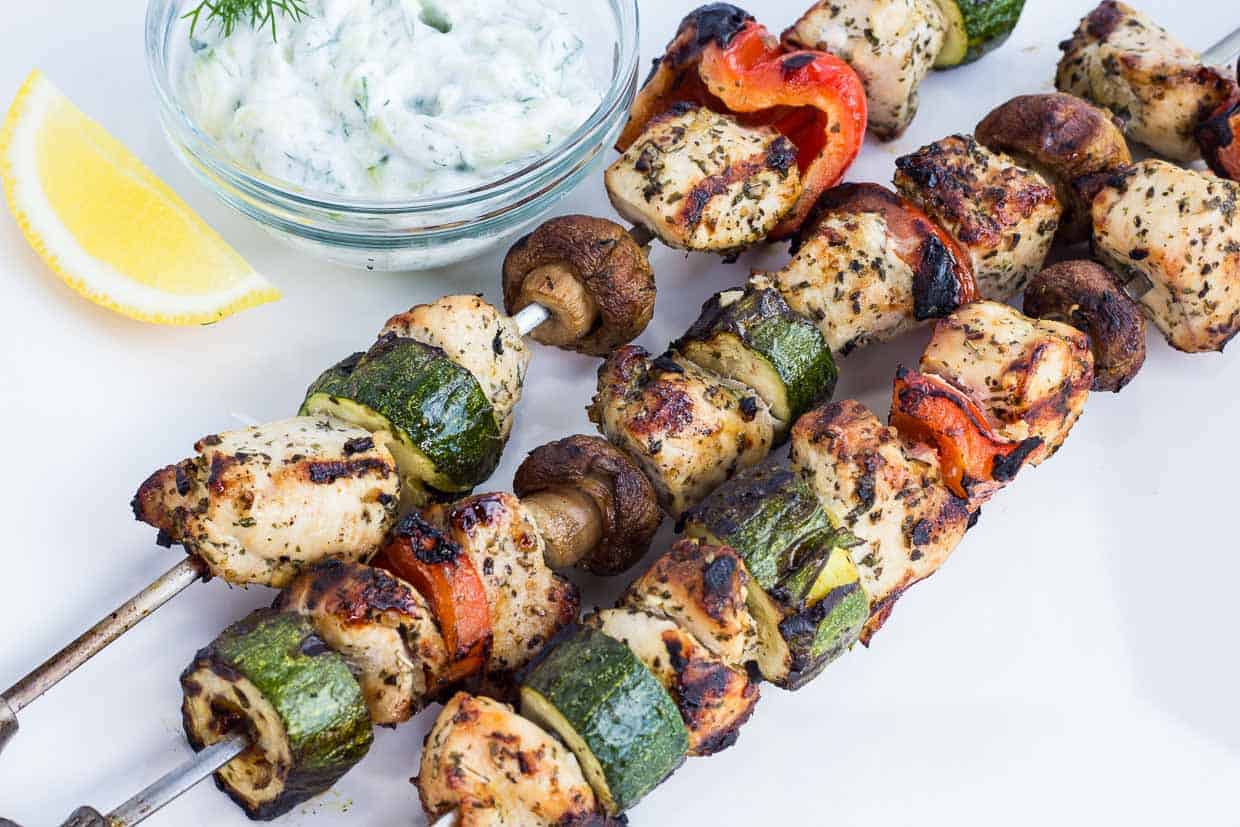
[1061, 136]
[625, 499]
[610, 266]
[1087, 296]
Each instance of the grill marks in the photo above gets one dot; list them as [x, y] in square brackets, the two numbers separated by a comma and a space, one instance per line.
[701, 180]
[1003, 215]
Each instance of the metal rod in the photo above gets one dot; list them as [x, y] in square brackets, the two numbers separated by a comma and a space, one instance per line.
[94, 640]
[1225, 52]
[530, 317]
[172, 785]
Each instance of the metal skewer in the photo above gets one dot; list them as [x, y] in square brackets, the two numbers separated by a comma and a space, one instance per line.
[1223, 53]
[139, 607]
[170, 787]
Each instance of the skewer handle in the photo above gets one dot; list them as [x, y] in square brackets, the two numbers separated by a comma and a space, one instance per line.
[1224, 52]
[94, 640]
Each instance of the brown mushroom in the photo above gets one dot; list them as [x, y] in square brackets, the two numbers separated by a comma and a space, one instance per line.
[1219, 138]
[593, 505]
[1062, 137]
[1087, 296]
[591, 275]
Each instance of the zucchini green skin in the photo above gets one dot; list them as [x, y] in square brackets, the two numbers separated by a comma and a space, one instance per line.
[768, 514]
[433, 405]
[317, 699]
[617, 710]
[819, 631]
[758, 320]
[812, 599]
[987, 25]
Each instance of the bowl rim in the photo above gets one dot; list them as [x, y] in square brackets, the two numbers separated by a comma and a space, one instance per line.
[161, 20]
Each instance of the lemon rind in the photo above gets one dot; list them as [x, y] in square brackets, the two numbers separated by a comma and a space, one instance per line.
[140, 302]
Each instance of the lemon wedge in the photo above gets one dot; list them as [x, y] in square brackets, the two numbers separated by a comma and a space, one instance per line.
[108, 226]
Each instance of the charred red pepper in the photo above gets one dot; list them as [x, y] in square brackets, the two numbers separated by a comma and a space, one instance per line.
[725, 60]
[444, 575]
[1219, 138]
[976, 462]
[943, 278]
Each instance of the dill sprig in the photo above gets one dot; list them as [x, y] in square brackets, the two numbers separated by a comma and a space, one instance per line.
[260, 13]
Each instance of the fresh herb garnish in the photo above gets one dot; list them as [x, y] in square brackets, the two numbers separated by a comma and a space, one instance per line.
[260, 13]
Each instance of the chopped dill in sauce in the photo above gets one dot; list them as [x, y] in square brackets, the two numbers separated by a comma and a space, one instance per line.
[392, 98]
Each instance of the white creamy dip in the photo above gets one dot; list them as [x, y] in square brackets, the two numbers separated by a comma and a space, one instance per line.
[392, 98]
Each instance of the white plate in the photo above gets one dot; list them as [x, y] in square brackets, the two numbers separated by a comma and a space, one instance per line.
[1074, 662]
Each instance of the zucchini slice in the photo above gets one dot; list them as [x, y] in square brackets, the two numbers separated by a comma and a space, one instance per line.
[611, 711]
[714, 699]
[975, 27]
[751, 336]
[272, 675]
[808, 602]
[768, 514]
[444, 434]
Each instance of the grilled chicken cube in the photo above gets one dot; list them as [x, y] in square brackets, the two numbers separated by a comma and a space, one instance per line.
[382, 627]
[869, 265]
[496, 769]
[687, 428]
[891, 44]
[1179, 230]
[1122, 60]
[1030, 376]
[700, 180]
[1004, 216]
[886, 490]
[261, 503]
[704, 589]
[714, 699]
[477, 337]
[528, 601]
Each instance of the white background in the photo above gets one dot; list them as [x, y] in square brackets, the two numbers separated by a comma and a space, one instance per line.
[1075, 662]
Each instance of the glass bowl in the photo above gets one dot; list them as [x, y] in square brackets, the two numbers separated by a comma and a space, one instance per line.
[427, 231]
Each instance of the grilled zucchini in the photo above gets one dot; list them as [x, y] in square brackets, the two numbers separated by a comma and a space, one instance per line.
[273, 676]
[808, 602]
[751, 336]
[444, 433]
[975, 27]
[611, 711]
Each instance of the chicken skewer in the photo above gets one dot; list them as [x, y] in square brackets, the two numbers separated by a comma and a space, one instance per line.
[356, 474]
[694, 571]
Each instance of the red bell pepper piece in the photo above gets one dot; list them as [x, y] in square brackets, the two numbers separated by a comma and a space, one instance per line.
[723, 59]
[975, 461]
[1219, 138]
[444, 575]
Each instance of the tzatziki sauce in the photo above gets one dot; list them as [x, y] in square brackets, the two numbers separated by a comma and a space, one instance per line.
[392, 99]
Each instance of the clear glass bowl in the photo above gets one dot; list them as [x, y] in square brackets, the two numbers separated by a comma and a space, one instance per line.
[429, 231]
